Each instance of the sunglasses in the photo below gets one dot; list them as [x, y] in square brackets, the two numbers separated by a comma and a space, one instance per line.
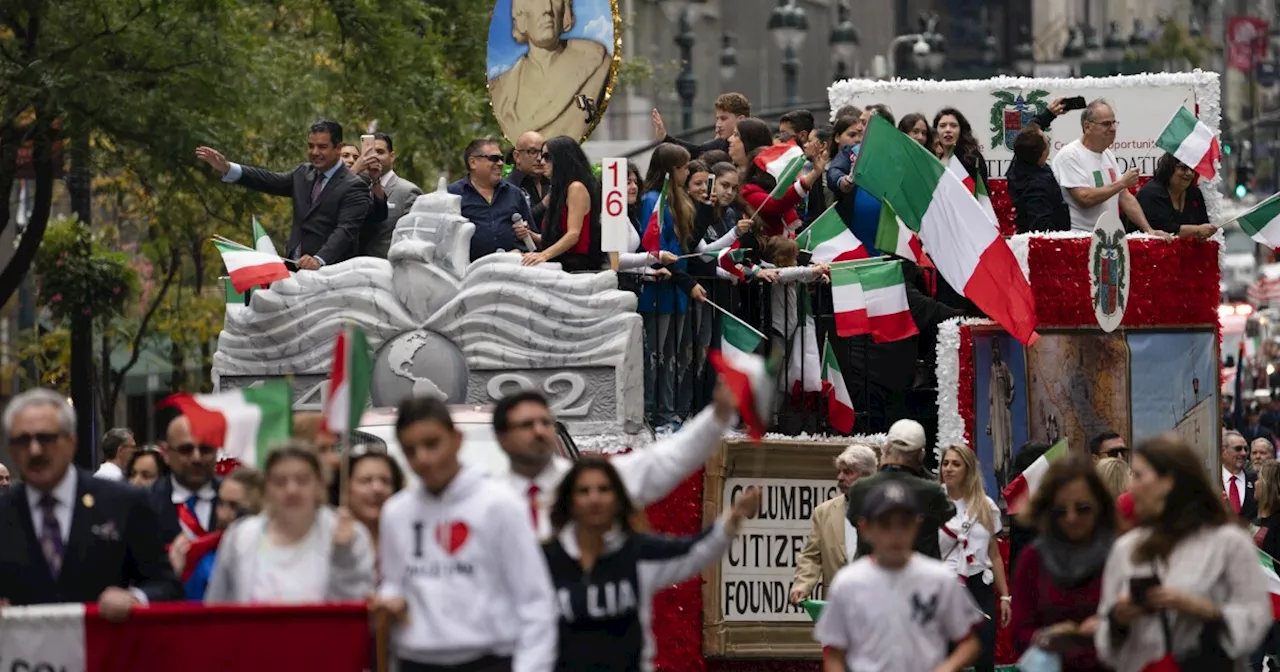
[23, 441]
[188, 449]
[1079, 509]
[495, 158]
[1117, 452]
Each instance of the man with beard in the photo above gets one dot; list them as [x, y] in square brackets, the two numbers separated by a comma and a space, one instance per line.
[833, 539]
[185, 501]
[526, 430]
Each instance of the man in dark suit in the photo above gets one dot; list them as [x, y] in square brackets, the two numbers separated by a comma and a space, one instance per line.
[329, 201]
[66, 536]
[398, 192]
[186, 500]
[1237, 481]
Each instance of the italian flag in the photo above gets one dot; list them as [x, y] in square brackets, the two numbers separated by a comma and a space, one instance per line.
[1273, 582]
[1020, 490]
[893, 237]
[964, 243]
[849, 301]
[784, 162]
[652, 242]
[728, 259]
[262, 241]
[1262, 222]
[839, 403]
[975, 187]
[747, 374]
[348, 382]
[243, 423]
[1191, 142]
[164, 635]
[250, 268]
[886, 294]
[829, 240]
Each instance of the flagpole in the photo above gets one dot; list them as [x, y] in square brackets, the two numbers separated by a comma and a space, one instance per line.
[699, 254]
[755, 331]
[380, 639]
[1250, 211]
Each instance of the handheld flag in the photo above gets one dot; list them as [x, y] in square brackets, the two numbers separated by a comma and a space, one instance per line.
[784, 162]
[839, 403]
[250, 268]
[244, 422]
[1262, 222]
[849, 301]
[1191, 142]
[1020, 490]
[886, 295]
[893, 237]
[829, 240]
[652, 242]
[747, 374]
[348, 382]
[814, 608]
[975, 187]
[262, 241]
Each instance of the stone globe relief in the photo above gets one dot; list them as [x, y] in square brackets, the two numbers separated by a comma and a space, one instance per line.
[442, 325]
[552, 64]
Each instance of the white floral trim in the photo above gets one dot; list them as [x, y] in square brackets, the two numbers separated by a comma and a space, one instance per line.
[950, 424]
[613, 444]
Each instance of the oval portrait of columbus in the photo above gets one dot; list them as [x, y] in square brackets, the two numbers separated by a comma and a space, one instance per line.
[551, 65]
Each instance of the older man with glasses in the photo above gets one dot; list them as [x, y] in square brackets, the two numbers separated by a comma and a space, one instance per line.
[1237, 482]
[185, 501]
[489, 202]
[530, 174]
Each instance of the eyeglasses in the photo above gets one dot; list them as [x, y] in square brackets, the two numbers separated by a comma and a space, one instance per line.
[531, 151]
[23, 441]
[1106, 124]
[188, 449]
[1117, 452]
[1079, 509]
[495, 158]
[1182, 167]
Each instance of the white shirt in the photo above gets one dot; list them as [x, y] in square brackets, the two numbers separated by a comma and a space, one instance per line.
[850, 539]
[64, 494]
[902, 620]
[386, 177]
[109, 471]
[293, 574]
[204, 507]
[1078, 166]
[1227, 477]
[966, 544]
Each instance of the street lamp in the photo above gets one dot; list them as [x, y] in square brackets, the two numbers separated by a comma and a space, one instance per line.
[928, 49]
[686, 84]
[937, 44]
[844, 42]
[1113, 48]
[1138, 40]
[1073, 50]
[1092, 45]
[788, 24]
[728, 57]
[1024, 54]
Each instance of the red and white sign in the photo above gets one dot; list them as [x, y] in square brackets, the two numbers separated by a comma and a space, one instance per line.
[1246, 42]
[614, 221]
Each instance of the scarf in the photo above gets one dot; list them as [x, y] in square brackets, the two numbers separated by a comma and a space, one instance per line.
[1071, 564]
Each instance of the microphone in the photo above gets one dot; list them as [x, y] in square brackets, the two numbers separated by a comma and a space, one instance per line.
[528, 239]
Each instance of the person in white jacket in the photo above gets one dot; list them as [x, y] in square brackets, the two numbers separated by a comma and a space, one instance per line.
[526, 430]
[462, 571]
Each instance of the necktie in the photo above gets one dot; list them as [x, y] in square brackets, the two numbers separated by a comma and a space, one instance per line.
[50, 535]
[316, 187]
[1233, 493]
[533, 505]
[191, 506]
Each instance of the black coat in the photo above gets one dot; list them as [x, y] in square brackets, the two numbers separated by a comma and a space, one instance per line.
[329, 228]
[935, 508]
[1158, 208]
[160, 496]
[1037, 198]
[113, 541]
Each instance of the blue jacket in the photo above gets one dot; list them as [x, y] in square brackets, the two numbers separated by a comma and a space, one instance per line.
[662, 297]
[859, 210]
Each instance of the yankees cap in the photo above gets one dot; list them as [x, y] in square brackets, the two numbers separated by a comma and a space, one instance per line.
[887, 498]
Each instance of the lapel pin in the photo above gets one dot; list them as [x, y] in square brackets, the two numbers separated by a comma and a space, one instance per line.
[87, 500]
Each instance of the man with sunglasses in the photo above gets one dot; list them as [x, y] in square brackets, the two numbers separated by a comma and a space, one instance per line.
[530, 174]
[1109, 444]
[1237, 481]
[66, 536]
[186, 499]
[488, 201]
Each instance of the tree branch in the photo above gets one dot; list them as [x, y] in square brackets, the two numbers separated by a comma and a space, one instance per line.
[117, 380]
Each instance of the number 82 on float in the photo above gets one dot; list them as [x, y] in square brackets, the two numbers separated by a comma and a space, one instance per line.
[614, 224]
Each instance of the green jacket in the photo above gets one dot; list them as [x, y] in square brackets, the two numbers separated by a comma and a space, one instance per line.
[935, 508]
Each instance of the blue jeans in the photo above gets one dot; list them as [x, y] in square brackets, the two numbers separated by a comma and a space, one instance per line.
[663, 336]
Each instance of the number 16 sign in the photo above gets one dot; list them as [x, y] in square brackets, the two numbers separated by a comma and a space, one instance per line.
[615, 226]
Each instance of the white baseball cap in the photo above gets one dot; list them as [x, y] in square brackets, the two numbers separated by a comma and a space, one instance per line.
[907, 434]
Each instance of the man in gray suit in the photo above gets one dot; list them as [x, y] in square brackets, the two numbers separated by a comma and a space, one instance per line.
[329, 201]
[400, 194]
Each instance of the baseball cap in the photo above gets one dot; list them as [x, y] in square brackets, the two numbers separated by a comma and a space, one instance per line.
[889, 497]
[907, 434]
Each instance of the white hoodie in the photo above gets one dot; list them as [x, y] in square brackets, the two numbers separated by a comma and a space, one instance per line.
[469, 566]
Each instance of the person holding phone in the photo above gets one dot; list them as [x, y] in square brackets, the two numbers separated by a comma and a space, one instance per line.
[1037, 199]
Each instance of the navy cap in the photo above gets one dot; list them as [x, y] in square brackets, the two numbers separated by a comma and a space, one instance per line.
[888, 497]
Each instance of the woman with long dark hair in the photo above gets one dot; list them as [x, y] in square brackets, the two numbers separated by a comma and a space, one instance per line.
[776, 216]
[1187, 583]
[1173, 203]
[956, 135]
[917, 126]
[571, 229]
[597, 552]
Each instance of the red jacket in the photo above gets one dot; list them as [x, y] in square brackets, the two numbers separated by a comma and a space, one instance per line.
[1039, 603]
[778, 215]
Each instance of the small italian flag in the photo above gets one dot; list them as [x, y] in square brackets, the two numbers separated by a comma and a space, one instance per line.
[1262, 222]
[250, 268]
[747, 374]
[886, 294]
[829, 240]
[262, 241]
[652, 242]
[1020, 490]
[975, 187]
[348, 382]
[784, 162]
[893, 237]
[243, 423]
[1273, 582]
[839, 403]
[1191, 142]
[814, 608]
[849, 301]
[728, 259]
[964, 243]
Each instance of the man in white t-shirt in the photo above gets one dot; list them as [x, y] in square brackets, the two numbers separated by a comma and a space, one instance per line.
[1090, 176]
[896, 609]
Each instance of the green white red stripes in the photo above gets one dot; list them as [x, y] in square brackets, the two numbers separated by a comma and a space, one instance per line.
[893, 237]
[886, 293]
[244, 422]
[784, 162]
[747, 374]
[1191, 142]
[1273, 582]
[839, 403]
[1020, 490]
[849, 301]
[728, 258]
[652, 240]
[965, 244]
[249, 267]
[1262, 222]
[348, 382]
[828, 240]
[262, 241]
[975, 187]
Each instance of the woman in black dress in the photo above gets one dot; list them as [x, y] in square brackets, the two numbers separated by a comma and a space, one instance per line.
[1173, 203]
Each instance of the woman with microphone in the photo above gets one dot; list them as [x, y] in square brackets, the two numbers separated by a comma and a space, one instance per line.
[571, 229]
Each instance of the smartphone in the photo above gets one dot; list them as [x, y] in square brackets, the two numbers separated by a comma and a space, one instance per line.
[366, 143]
[1140, 587]
[1076, 103]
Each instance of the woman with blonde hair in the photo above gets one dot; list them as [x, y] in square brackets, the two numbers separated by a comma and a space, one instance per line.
[1115, 474]
[968, 545]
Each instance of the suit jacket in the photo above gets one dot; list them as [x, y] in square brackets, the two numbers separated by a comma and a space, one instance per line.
[160, 496]
[328, 228]
[401, 194]
[1249, 503]
[935, 508]
[113, 541]
[823, 554]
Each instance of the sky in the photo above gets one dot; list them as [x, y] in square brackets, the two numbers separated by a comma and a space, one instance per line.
[593, 18]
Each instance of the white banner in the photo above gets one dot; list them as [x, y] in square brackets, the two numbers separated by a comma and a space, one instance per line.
[998, 108]
[755, 575]
[46, 638]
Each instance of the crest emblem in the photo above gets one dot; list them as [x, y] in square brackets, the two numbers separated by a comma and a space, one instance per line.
[1011, 112]
[1109, 271]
